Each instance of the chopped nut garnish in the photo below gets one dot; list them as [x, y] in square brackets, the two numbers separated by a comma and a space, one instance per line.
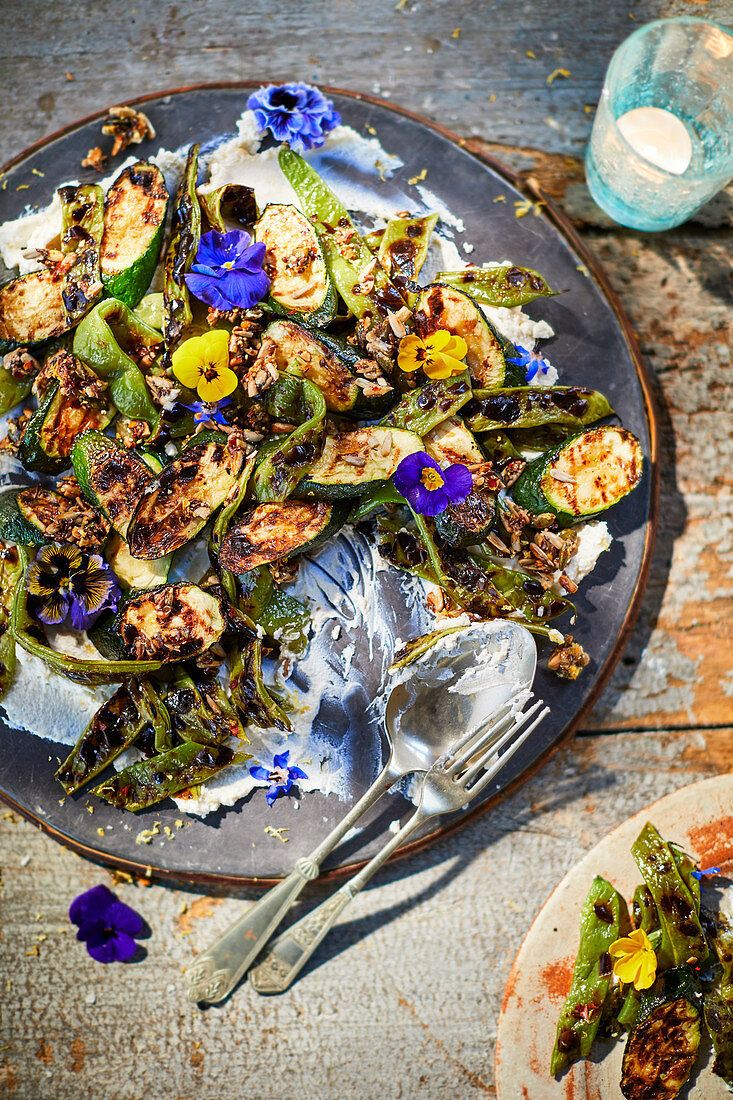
[263, 373]
[127, 126]
[569, 659]
[20, 364]
[95, 159]
[75, 378]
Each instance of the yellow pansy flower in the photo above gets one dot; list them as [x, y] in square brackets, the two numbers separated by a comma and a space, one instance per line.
[202, 363]
[636, 962]
[439, 354]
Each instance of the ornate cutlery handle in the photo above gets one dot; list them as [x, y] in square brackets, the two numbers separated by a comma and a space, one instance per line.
[216, 973]
[291, 951]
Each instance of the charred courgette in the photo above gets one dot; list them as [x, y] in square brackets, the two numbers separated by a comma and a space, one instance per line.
[444, 307]
[170, 623]
[134, 218]
[300, 284]
[272, 531]
[357, 462]
[175, 506]
[583, 476]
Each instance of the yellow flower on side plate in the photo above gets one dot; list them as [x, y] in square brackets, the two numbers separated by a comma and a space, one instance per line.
[202, 363]
[636, 962]
[439, 354]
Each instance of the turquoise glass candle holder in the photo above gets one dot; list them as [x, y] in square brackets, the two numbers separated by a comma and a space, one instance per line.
[662, 139]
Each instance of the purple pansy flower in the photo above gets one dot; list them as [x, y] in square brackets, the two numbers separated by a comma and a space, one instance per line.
[206, 411]
[532, 360]
[64, 582]
[107, 926]
[297, 113]
[227, 271]
[427, 488]
[280, 776]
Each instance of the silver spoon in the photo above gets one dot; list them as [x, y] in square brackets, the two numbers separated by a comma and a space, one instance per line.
[434, 700]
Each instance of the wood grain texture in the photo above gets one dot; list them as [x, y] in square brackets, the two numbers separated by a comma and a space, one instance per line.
[402, 1002]
[407, 1003]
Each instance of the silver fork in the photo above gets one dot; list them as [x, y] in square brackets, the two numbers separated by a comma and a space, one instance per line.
[450, 784]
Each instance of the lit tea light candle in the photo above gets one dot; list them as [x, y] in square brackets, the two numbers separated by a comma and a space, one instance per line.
[658, 136]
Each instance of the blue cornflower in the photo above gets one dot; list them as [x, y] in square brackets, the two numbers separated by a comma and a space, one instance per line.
[107, 926]
[297, 113]
[708, 871]
[207, 411]
[427, 488]
[280, 776]
[532, 360]
[227, 271]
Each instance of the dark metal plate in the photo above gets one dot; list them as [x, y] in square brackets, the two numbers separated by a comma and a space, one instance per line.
[593, 347]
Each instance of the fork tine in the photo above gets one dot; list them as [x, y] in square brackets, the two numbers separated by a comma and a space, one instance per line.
[491, 737]
[520, 720]
[471, 734]
[490, 728]
[491, 772]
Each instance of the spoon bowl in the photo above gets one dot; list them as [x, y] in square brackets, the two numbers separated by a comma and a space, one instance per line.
[462, 680]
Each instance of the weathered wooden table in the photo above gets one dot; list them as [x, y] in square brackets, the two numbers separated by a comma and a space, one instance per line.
[405, 1001]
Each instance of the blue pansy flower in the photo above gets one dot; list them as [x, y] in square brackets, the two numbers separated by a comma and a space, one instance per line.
[280, 776]
[297, 113]
[227, 271]
[535, 363]
[206, 411]
[427, 488]
[107, 926]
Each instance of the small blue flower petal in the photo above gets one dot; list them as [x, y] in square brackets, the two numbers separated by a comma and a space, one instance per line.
[258, 772]
[297, 113]
[297, 773]
[458, 482]
[227, 271]
[281, 760]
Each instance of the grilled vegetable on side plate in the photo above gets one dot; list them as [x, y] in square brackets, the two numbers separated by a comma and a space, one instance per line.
[440, 306]
[176, 505]
[333, 366]
[300, 285]
[403, 248]
[602, 921]
[134, 219]
[662, 1049]
[676, 905]
[272, 531]
[170, 623]
[357, 462]
[583, 476]
[529, 407]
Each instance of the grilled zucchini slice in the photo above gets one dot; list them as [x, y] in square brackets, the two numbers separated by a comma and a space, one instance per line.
[134, 573]
[170, 623]
[32, 308]
[661, 1051]
[112, 478]
[37, 515]
[583, 476]
[299, 281]
[332, 365]
[535, 407]
[451, 441]
[440, 306]
[50, 433]
[357, 462]
[468, 522]
[272, 531]
[175, 506]
[134, 217]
